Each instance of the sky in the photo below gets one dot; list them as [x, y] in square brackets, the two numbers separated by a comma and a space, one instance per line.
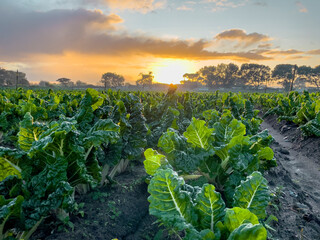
[82, 39]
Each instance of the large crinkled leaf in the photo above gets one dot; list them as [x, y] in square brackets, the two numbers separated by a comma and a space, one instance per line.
[97, 100]
[260, 140]
[211, 116]
[28, 133]
[181, 154]
[103, 131]
[248, 110]
[7, 168]
[168, 202]
[224, 132]
[210, 207]
[153, 161]
[206, 234]
[249, 231]
[236, 216]
[89, 103]
[9, 208]
[312, 127]
[253, 194]
[9, 152]
[171, 141]
[266, 153]
[240, 155]
[198, 134]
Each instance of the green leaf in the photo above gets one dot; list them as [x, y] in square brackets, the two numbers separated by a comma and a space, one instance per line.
[9, 208]
[28, 132]
[170, 141]
[7, 168]
[253, 194]
[266, 153]
[236, 216]
[240, 155]
[210, 206]
[224, 131]
[103, 131]
[168, 202]
[249, 231]
[153, 161]
[198, 134]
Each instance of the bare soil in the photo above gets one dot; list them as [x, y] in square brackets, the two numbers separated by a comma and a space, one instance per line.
[295, 182]
[120, 211]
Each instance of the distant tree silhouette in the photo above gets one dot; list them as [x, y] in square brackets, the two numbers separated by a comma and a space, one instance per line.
[310, 75]
[255, 74]
[64, 81]
[208, 76]
[223, 75]
[286, 73]
[110, 79]
[192, 80]
[145, 79]
[9, 78]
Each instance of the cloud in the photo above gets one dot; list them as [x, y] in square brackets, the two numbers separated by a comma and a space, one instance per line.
[51, 32]
[225, 4]
[301, 7]
[89, 42]
[142, 6]
[299, 57]
[265, 45]
[242, 37]
[314, 52]
[184, 8]
[92, 32]
[284, 52]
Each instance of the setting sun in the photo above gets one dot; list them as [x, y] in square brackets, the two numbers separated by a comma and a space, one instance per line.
[171, 71]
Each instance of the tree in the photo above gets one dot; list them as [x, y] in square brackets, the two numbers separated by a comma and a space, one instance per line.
[315, 77]
[230, 74]
[80, 84]
[286, 73]
[110, 79]
[310, 75]
[145, 79]
[207, 75]
[2, 76]
[11, 78]
[64, 81]
[255, 74]
[223, 75]
[45, 84]
[191, 80]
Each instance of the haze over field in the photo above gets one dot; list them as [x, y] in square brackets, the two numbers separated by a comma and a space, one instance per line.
[82, 39]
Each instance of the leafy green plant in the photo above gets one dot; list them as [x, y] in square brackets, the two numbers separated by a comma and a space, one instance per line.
[199, 213]
[223, 154]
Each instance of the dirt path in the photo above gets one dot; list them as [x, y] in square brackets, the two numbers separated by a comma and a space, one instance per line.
[120, 211]
[296, 184]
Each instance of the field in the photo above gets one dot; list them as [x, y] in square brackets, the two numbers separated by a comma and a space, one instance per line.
[150, 165]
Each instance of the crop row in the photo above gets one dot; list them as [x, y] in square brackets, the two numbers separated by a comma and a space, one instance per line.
[54, 145]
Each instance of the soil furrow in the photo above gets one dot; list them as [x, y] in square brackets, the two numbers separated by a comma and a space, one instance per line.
[295, 183]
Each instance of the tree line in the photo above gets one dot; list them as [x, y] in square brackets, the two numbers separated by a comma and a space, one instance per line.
[12, 78]
[255, 75]
[214, 77]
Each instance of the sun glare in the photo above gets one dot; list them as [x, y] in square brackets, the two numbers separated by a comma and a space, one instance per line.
[171, 71]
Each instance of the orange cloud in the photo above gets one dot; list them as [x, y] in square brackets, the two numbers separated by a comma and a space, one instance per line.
[314, 52]
[284, 52]
[242, 37]
[143, 6]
